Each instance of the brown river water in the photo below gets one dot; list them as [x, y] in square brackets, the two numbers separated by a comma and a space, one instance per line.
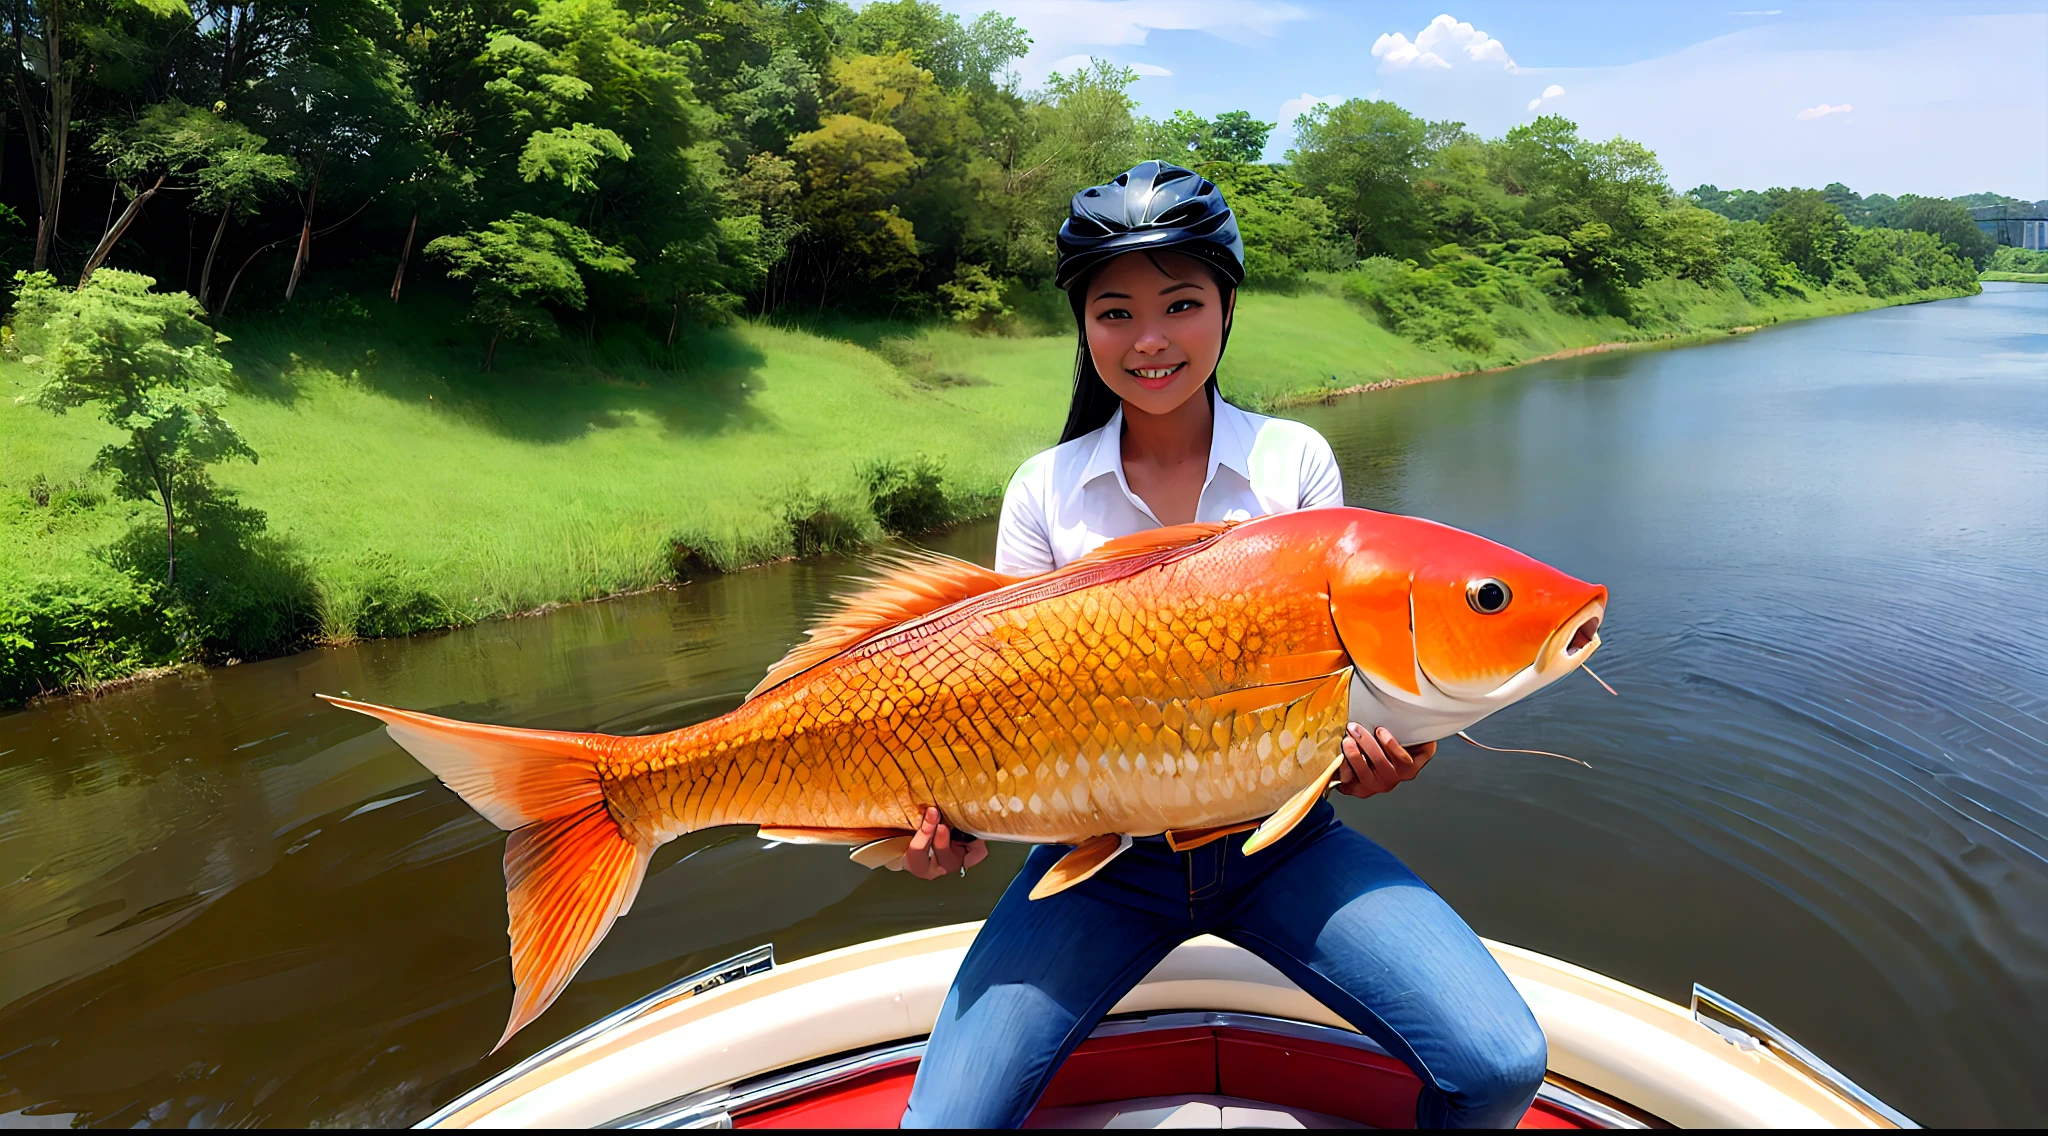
[1824, 790]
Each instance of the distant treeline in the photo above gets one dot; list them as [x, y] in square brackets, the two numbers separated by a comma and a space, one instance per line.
[665, 164]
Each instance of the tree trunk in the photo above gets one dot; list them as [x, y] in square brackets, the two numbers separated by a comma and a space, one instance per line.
[405, 254]
[114, 232]
[59, 143]
[170, 541]
[305, 238]
[675, 312]
[492, 353]
[237, 278]
[212, 250]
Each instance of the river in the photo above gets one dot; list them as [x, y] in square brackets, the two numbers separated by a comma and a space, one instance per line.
[1823, 790]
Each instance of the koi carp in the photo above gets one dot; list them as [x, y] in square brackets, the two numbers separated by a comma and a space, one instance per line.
[1192, 681]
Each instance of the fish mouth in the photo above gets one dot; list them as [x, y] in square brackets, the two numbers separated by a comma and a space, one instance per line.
[1574, 641]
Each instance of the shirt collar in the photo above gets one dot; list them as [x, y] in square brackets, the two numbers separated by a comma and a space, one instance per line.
[1231, 437]
[1230, 440]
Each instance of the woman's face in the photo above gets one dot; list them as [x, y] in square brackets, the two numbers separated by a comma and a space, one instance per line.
[1155, 337]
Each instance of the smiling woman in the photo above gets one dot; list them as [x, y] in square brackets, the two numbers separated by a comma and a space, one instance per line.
[1151, 262]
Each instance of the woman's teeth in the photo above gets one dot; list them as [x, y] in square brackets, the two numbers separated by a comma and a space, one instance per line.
[1155, 372]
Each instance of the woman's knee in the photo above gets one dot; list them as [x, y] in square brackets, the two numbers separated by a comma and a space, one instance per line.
[1502, 1067]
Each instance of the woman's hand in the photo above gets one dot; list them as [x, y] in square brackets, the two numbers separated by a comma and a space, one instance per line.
[1374, 762]
[933, 852]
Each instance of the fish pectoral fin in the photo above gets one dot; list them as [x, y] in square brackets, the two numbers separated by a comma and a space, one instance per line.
[1187, 839]
[829, 835]
[1088, 857]
[884, 853]
[1282, 822]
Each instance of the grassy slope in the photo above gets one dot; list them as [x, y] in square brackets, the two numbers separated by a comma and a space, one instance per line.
[2017, 277]
[566, 474]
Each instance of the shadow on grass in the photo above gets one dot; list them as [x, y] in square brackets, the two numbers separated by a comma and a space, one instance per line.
[241, 593]
[423, 352]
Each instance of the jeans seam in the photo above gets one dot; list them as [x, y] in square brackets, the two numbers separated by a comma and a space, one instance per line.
[1246, 938]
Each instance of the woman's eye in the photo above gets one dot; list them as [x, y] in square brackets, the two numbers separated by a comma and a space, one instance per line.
[1114, 314]
[1183, 306]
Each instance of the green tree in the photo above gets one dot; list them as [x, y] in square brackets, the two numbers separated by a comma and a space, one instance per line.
[222, 161]
[149, 365]
[1360, 158]
[518, 266]
[1949, 222]
[1235, 136]
[1808, 232]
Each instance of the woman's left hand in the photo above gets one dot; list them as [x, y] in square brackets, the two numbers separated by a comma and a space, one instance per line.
[1374, 762]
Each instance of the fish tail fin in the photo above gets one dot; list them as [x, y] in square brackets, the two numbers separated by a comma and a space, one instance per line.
[569, 869]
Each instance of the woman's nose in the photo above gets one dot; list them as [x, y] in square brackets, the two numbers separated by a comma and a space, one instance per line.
[1151, 343]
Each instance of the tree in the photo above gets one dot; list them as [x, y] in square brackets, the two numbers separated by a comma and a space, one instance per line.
[1360, 157]
[220, 159]
[518, 266]
[1235, 136]
[1809, 233]
[150, 366]
[1951, 223]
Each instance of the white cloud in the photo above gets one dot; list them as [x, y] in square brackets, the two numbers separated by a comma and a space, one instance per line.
[1061, 29]
[1553, 91]
[1445, 40]
[1149, 70]
[1822, 111]
[1295, 108]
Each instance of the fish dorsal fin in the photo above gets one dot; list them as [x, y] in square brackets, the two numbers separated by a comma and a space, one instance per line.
[1152, 541]
[910, 586]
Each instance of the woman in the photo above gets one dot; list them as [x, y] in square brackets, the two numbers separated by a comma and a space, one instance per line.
[1151, 262]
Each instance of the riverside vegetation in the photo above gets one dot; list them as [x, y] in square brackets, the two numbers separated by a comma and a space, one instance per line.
[610, 293]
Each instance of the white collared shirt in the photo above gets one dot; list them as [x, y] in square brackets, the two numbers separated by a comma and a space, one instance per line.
[1073, 497]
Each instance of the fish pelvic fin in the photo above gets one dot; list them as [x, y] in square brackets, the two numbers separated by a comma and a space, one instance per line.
[1088, 857]
[1282, 822]
[888, 852]
[1189, 839]
[569, 869]
[909, 587]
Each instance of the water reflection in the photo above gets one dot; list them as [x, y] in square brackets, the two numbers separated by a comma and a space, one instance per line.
[1823, 790]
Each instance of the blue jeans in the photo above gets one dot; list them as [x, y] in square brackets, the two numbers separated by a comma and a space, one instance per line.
[1333, 911]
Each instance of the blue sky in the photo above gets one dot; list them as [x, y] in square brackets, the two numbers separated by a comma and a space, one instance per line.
[1933, 98]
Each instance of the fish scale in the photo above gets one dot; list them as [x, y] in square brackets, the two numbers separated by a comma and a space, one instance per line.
[1007, 742]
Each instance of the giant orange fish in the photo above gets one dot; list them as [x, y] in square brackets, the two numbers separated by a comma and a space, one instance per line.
[1187, 681]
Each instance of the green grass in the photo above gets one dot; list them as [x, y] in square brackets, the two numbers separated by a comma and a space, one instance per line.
[2016, 277]
[404, 489]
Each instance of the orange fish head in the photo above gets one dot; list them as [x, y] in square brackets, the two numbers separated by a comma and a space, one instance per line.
[1446, 627]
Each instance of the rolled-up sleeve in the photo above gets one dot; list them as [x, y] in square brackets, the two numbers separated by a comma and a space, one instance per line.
[1322, 483]
[1023, 542]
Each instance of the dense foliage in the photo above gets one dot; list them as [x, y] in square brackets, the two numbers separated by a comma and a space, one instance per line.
[672, 163]
[629, 174]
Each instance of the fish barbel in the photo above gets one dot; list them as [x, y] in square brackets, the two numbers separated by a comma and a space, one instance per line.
[1187, 681]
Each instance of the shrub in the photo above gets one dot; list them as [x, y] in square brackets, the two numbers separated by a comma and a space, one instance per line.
[818, 527]
[907, 497]
[241, 593]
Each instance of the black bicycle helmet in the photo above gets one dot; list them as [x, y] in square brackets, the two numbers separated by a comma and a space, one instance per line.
[1154, 206]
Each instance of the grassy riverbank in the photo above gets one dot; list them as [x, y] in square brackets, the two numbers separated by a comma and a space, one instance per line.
[401, 489]
[2016, 277]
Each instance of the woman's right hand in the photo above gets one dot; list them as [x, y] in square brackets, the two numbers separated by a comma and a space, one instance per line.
[934, 852]
[1374, 762]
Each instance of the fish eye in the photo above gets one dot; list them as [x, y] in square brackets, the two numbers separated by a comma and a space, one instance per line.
[1488, 597]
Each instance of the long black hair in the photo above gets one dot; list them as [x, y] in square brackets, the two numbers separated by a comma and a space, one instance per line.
[1093, 403]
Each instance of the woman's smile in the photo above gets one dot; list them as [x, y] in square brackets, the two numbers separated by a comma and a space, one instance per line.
[1157, 378]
